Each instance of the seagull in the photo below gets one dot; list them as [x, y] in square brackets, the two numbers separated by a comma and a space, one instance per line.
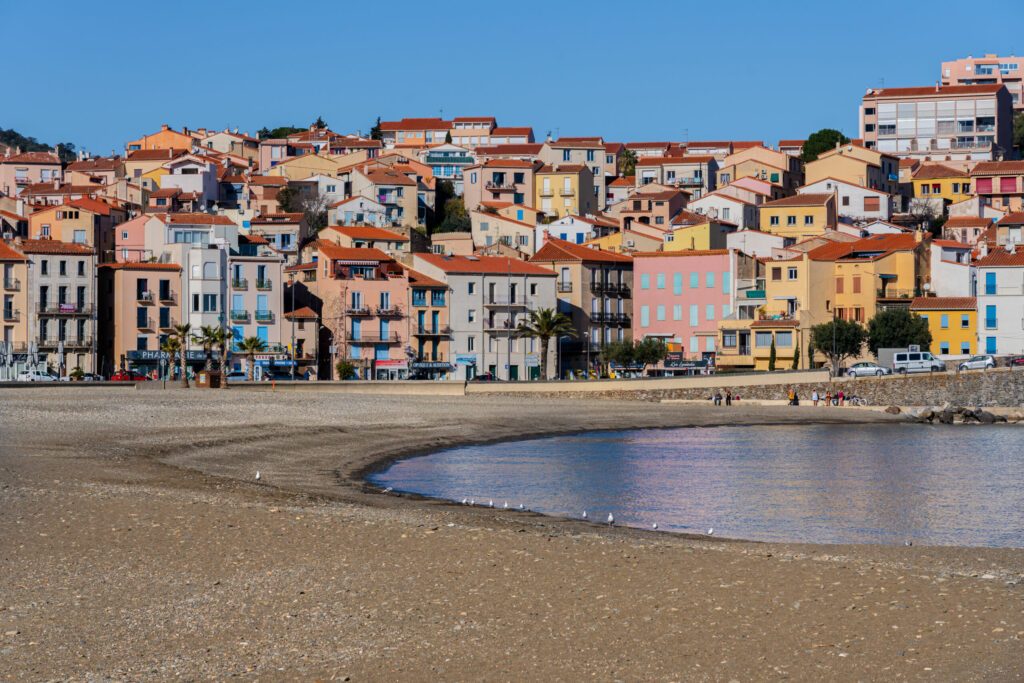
[611, 519]
[908, 543]
[388, 490]
[654, 526]
[522, 507]
[584, 514]
[505, 506]
[257, 476]
[711, 531]
[490, 503]
[472, 501]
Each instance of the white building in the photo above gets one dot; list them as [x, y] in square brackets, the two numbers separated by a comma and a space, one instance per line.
[951, 271]
[1001, 302]
[191, 173]
[723, 207]
[853, 202]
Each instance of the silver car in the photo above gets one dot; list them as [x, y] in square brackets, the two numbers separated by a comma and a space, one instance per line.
[867, 370]
[978, 363]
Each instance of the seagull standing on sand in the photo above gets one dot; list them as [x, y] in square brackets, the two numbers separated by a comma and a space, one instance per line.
[490, 503]
[711, 531]
[584, 514]
[611, 519]
[522, 507]
[505, 506]
[655, 526]
[388, 490]
[258, 476]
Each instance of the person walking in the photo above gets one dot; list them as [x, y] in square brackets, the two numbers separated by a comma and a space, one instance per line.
[815, 397]
[842, 397]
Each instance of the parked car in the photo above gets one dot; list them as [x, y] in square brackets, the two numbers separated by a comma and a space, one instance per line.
[128, 376]
[978, 363]
[238, 376]
[91, 377]
[916, 361]
[1015, 361]
[33, 376]
[867, 370]
[485, 377]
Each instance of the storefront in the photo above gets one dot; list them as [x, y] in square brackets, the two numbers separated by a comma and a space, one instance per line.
[12, 365]
[272, 365]
[390, 369]
[430, 370]
[148, 362]
[465, 364]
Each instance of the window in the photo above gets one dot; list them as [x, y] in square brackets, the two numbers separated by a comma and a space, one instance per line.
[790, 220]
[677, 312]
[990, 282]
[839, 284]
[470, 343]
[209, 303]
[195, 303]
[944, 321]
[590, 155]
[470, 288]
[645, 281]
[62, 268]
[694, 280]
[792, 273]
[965, 347]
[990, 345]
[729, 339]
[694, 315]
[566, 155]
[808, 220]
[677, 283]
[725, 213]
[470, 315]
[645, 316]
[773, 220]
[659, 312]
[762, 339]
[660, 277]
[709, 280]
[944, 348]
[81, 268]
[990, 317]
[784, 339]
[709, 312]
[776, 273]
[965, 322]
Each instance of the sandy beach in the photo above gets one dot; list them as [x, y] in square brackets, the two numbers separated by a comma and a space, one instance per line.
[135, 545]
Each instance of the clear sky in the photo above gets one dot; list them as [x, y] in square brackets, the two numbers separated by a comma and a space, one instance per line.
[100, 73]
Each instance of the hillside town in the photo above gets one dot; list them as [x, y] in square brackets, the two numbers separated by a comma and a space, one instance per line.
[473, 249]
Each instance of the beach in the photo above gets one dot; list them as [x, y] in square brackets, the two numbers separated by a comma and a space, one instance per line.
[136, 544]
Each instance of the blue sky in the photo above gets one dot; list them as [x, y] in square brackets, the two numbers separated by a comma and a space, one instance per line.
[98, 74]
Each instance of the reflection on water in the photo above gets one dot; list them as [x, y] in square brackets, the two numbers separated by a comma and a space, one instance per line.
[939, 485]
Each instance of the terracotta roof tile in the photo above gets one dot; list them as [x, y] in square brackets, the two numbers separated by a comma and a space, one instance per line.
[555, 249]
[53, 247]
[32, 158]
[943, 303]
[998, 168]
[932, 90]
[967, 222]
[1016, 218]
[336, 253]
[484, 265]
[934, 171]
[8, 253]
[1001, 257]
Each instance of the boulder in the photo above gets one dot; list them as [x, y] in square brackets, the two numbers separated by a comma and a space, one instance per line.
[985, 417]
[926, 414]
[893, 410]
[946, 417]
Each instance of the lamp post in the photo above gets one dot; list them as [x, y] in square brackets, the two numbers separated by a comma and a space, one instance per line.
[291, 285]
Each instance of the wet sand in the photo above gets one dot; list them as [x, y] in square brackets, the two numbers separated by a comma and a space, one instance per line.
[135, 545]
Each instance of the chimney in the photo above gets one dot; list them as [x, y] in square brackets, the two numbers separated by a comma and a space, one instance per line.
[982, 249]
[937, 86]
[164, 126]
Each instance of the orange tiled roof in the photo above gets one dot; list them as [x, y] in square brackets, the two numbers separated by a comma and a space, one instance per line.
[934, 171]
[415, 124]
[1015, 218]
[196, 219]
[8, 253]
[998, 168]
[417, 279]
[31, 158]
[967, 222]
[512, 130]
[943, 303]
[1001, 257]
[484, 265]
[155, 154]
[53, 247]
[304, 313]
[514, 148]
[932, 90]
[336, 253]
[555, 249]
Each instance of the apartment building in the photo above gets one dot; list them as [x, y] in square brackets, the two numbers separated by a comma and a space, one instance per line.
[255, 308]
[720, 205]
[512, 135]
[415, 132]
[1001, 301]
[490, 296]
[18, 171]
[563, 189]
[391, 243]
[61, 303]
[941, 185]
[448, 162]
[800, 216]
[1001, 183]
[140, 305]
[956, 123]
[758, 161]
[965, 229]
[580, 151]
[952, 322]
[695, 174]
[96, 170]
[472, 131]
[595, 289]
[500, 180]
[854, 202]
[283, 231]
[987, 70]
[396, 191]
[857, 165]
[14, 316]
[430, 331]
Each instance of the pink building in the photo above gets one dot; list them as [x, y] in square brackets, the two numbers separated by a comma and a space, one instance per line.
[679, 296]
[986, 70]
[18, 171]
[130, 241]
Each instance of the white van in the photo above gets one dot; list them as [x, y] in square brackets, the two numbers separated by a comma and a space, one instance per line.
[916, 361]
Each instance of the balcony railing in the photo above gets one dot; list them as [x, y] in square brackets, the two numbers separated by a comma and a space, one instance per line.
[504, 327]
[564, 286]
[144, 323]
[432, 331]
[264, 316]
[392, 338]
[503, 187]
[144, 297]
[64, 309]
[264, 285]
[12, 284]
[239, 315]
[55, 342]
[239, 283]
[358, 310]
[547, 192]
[567, 192]
[389, 311]
[12, 315]
[755, 294]
[597, 287]
[511, 302]
[168, 298]
[440, 159]
[168, 324]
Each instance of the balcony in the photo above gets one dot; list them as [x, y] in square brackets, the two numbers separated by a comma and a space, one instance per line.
[502, 327]
[145, 297]
[22, 180]
[145, 323]
[688, 181]
[264, 285]
[239, 283]
[389, 311]
[12, 315]
[264, 316]
[506, 302]
[168, 297]
[567, 192]
[12, 285]
[441, 159]
[597, 287]
[502, 187]
[239, 316]
[564, 286]
[755, 294]
[392, 338]
[444, 331]
[54, 343]
[894, 293]
[546, 192]
[358, 310]
[64, 309]
[168, 325]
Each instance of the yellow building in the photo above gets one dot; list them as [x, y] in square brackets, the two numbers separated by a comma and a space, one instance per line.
[165, 138]
[625, 242]
[938, 181]
[953, 322]
[305, 166]
[800, 216]
[564, 189]
[856, 165]
[700, 235]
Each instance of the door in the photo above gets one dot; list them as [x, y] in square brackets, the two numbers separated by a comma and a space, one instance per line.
[513, 373]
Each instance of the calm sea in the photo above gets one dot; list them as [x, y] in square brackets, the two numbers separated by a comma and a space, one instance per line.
[937, 485]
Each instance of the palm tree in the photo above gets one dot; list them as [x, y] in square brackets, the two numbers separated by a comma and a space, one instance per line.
[544, 324]
[251, 346]
[172, 347]
[224, 335]
[181, 333]
[207, 338]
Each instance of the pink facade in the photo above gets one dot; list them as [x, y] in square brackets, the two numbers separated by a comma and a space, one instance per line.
[988, 69]
[130, 241]
[680, 297]
[18, 171]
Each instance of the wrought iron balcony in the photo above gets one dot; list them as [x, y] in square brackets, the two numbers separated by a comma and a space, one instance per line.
[358, 310]
[264, 316]
[64, 309]
[12, 315]
[392, 338]
[239, 283]
[443, 331]
[12, 284]
[264, 285]
[389, 311]
[239, 315]
[145, 297]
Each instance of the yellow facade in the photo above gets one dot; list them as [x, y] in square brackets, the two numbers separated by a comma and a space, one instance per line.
[703, 236]
[797, 222]
[625, 242]
[558, 193]
[850, 169]
[952, 189]
[954, 330]
[300, 168]
[60, 223]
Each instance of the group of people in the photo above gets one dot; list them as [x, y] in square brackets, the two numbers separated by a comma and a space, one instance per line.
[828, 398]
[729, 398]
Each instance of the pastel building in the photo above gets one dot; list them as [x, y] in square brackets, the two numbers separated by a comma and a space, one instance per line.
[953, 322]
[987, 70]
[18, 171]
[430, 331]
[14, 331]
[680, 296]
[1001, 301]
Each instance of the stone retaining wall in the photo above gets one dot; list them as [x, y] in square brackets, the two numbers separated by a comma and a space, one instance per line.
[989, 388]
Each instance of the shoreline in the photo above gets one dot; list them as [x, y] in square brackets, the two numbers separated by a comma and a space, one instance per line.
[136, 545]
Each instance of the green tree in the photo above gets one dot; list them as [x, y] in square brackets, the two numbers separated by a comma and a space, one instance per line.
[182, 333]
[796, 358]
[1018, 131]
[320, 123]
[279, 132]
[627, 162]
[443, 193]
[822, 141]
[619, 352]
[896, 328]
[649, 351]
[375, 133]
[207, 339]
[288, 200]
[172, 347]
[771, 357]
[456, 218]
[448, 137]
[545, 324]
[250, 346]
[837, 340]
[345, 369]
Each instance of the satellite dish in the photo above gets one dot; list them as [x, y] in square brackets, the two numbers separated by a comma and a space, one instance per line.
[713, 212]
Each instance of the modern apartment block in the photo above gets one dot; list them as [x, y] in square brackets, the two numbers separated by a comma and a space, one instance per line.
[959, 123]
[987, 70]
